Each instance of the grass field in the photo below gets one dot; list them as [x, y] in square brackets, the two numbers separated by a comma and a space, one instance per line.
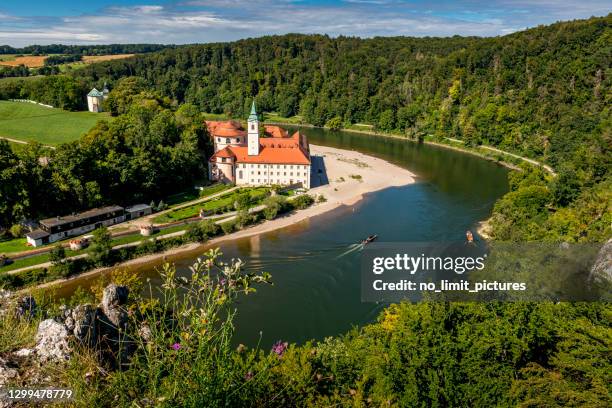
[30, 122]
[257, 195]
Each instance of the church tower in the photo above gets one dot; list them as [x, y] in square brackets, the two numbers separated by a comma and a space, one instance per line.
[253, 132]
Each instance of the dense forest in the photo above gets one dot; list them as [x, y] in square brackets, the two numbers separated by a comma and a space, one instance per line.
[84, 49]
[150, 151]
[543, 93]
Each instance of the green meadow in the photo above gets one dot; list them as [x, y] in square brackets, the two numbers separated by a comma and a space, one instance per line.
[49, 126]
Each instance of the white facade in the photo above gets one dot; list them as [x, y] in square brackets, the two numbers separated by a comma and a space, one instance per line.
[95, 99]
[253, 174]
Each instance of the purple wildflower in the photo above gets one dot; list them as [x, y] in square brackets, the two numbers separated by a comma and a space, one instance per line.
[279, 348]
[222, 281]
[248, 376]
[176, 346]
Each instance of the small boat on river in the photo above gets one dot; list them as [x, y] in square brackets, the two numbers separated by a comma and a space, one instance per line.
[369, 239]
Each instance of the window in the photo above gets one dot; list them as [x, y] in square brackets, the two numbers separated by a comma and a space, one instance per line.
[240, 174]
[219, 139]
[252, 126]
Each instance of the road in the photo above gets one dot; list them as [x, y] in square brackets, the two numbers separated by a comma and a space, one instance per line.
[22, 142]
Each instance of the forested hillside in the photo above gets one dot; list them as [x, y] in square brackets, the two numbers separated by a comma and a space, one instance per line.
[543, 93]
[539, 92]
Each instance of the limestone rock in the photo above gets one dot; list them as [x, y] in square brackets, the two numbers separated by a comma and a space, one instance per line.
[601, 271]
[145, 332]
[24, 352]
[52, 341]
[112, 299]
[6, 373]
[82, 323]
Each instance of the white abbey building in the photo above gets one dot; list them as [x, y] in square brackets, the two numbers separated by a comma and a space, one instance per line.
[95, 99]
[244, 158]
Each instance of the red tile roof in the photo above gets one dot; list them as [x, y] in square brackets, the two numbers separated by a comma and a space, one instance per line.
[225, 128]
[275, 131]
[272, 155]
[225, 152]
[279, 148]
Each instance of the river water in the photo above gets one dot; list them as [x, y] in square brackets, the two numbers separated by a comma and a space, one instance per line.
[316, 291]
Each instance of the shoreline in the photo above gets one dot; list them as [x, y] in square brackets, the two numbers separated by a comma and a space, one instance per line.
[503, 163]
[374, 175]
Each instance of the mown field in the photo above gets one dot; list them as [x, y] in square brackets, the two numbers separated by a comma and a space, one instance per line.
[30, 122]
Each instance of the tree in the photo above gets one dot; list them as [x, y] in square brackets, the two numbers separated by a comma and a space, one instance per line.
[242, 201]
[101, 247]
[274, 206]
[57, 255]
[334, 123]
[17, 231]
[386, 121]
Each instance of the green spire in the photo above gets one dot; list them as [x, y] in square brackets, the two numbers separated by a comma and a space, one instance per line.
[253, 115]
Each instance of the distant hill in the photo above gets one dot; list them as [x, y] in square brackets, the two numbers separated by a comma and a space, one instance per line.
[84, 49]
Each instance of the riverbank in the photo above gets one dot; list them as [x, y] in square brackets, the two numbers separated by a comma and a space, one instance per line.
[345, 178]
[472, 151]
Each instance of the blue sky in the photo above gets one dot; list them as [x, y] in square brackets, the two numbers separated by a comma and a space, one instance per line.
[190, 21]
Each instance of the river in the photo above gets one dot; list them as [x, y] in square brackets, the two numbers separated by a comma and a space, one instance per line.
[316, 291]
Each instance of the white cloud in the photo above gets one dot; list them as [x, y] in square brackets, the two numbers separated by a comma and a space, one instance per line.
[215, 20]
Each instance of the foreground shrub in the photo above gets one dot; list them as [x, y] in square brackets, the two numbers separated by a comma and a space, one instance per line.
[186, 357]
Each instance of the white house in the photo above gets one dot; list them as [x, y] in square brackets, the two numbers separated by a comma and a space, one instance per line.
[95, 99]
[244, 158]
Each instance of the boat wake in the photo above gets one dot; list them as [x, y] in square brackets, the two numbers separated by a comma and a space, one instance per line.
[352, 248]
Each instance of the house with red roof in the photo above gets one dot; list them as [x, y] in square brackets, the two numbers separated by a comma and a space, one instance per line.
[243, 157]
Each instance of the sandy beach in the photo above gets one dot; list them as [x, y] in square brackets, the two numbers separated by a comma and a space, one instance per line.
[345, 178]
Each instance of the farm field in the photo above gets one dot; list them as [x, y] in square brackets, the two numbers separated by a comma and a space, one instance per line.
[90, 59]
[49, 126]
[29, 61]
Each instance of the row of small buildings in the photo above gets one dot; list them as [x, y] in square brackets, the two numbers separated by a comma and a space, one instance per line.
[55, 229]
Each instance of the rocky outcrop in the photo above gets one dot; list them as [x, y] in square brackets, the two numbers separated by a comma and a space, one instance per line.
[52, 341]
[600, 276]
[113, 298]
[98, 328]
[82, 323]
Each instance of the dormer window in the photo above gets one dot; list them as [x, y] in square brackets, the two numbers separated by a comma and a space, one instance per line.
[227, 140]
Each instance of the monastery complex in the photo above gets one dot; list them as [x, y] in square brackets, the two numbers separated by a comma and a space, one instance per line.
[242, 157]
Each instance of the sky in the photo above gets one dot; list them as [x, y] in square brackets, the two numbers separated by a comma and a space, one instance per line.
[199, 21]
